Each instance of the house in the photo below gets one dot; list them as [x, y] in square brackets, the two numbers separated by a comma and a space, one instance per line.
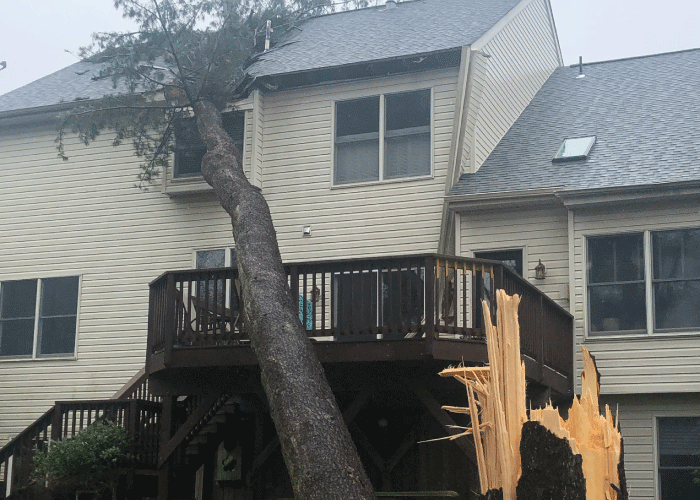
[439, 87]
[597, 180]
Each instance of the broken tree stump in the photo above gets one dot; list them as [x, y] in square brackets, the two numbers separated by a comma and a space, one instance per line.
[574, 459]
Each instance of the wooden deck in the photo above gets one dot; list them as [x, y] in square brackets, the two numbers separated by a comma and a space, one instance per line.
[413, 308]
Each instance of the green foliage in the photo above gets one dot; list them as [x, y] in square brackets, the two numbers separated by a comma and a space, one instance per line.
[183, 51]
[87, 461]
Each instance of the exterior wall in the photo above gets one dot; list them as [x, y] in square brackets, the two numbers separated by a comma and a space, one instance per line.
[85, 217]
[642, 363]
[394, 217]
[540, 232]
[638, 416]
[522, 56]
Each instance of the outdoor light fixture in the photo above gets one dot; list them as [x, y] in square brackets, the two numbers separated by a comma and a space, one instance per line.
[540, 271]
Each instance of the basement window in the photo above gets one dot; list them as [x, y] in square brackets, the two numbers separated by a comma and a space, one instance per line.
[574, 149]
[189, 148]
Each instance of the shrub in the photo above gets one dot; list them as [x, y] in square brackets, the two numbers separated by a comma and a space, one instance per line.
[88, 461]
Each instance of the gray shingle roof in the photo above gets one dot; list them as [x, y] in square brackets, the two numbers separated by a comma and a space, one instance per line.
[644, 111]
[66, 85]
[415, 27]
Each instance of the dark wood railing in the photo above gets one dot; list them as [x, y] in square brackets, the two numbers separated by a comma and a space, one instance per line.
[133, 408]
[363, 299]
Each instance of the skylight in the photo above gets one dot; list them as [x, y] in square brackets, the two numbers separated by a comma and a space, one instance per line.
[574, 149]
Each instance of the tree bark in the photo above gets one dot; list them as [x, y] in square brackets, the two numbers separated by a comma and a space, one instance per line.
[319, 453]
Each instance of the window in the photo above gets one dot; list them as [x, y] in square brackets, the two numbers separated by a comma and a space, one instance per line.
[619, 282]
[574, 149]
[189, 148]
[676, 279]
[616, 283]
[678, 448]
[513, 259]
[38, 317]
[382, 137]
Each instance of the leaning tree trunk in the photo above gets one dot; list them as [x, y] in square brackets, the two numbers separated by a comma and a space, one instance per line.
[320, 456]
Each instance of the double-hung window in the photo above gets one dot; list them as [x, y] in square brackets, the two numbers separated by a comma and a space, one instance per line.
[644, 282]
[38, 317]
[383, 137]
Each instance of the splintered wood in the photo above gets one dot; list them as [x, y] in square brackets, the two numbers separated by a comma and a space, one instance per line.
[497, 408]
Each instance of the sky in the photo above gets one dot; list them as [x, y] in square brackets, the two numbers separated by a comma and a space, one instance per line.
[35, 34]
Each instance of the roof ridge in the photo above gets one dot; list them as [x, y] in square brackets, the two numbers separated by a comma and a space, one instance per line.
[644, 56]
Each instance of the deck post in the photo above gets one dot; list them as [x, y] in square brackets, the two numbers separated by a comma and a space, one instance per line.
[56, 422]
[539, 339]
[169, 334]
[430, 264]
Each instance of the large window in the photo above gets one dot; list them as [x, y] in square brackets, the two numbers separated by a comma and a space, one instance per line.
[189, 148]
[382, 137]
[38, 317]
[513, 259]
[625, 271]
[679, 449]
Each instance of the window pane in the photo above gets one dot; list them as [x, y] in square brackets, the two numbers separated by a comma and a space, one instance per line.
[407, 110]
[59, 296]
[211, 259]
[18, 299]
[359, 116]
[189, 148]
[357, 161]
[617, 308]
[407, 156]
[511, 258]
[677, 304]
[16, 337]
[676, 254]
[679, 443]
[57, 335]
[616, 258]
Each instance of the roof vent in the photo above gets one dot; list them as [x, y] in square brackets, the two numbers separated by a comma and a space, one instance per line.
[390, 4]
[580, 68]
[574, 149]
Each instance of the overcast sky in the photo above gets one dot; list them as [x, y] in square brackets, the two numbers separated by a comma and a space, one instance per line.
[34, 34]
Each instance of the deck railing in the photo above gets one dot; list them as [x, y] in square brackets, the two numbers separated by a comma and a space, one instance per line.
[65, 419]
[431, 296]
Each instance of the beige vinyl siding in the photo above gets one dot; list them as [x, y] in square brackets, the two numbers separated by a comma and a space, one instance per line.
[522, 56]
[85, 217]
[638, 416]
[396, 217]
[636, 363]
[540, 232]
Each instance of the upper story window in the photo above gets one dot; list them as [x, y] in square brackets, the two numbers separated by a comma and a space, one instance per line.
[619, 282]
[513, 259]
[189, 148]
[383, 137]
[38, 317]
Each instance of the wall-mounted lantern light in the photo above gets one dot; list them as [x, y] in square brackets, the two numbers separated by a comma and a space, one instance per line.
[540, 271]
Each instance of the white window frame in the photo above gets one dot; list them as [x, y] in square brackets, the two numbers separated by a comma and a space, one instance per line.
[382, 137]
[648, 289]
[227, 254]
[37, 312]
